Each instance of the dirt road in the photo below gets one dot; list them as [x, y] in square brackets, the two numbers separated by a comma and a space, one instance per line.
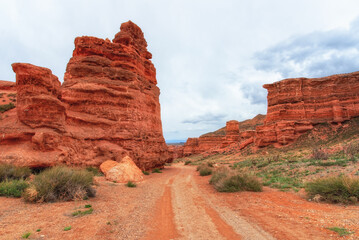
[177, 204]
[185, 213]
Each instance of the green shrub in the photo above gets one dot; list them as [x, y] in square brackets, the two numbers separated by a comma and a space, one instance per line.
[205, 171]
[239, 182]
[187, 162]
[60, 184]
[340, 189]
[67, 228]
[13, 188]
[219, 174]
[145, 173]
[95, 171]
[156, 170]
[225, 180]
[10, 172]
[6, 107]
[341, 231]
[131, 184]
[82, 213]
[26, 235]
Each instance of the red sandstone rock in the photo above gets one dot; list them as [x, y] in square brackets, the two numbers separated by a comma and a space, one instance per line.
[295, 105]
[7, 85]
[240, 133]
[232, 133]
[175, 151]
[38, 92]
[107, 165]
[107, 108]
[122, 172]
[117, 81]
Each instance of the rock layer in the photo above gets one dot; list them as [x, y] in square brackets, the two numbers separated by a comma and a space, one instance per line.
[295, 105]
[107, 108]
[38, 93]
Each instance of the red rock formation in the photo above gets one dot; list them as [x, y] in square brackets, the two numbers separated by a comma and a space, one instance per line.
[232, 133]
[239, 133]
[295, 105]
[38, 93]
[108, 107]
[175, 151]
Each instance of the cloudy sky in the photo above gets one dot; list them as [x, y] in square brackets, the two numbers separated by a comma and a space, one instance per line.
[212, 57]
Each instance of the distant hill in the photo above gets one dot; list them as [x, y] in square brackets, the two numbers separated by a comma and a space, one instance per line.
[175, 142]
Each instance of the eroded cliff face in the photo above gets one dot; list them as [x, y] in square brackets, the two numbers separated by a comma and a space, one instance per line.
[295, 105]
[107, 107]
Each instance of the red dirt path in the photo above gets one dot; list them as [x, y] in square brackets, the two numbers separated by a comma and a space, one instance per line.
[178, 204]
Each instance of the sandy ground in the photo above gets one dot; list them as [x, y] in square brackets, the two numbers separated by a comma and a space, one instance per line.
[178, 204]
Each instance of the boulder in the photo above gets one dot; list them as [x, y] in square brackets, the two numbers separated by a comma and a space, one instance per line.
[107, 165]
[122, 172]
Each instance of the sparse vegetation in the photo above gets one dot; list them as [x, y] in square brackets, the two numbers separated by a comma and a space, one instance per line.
[219, 174]
[341, 231]
[67, 228]
[60, 184]
[156, 170]
[339, 189]
[277, 178]
[26, 235]
[131, 184]
[225, 180]
[38, 230]
[352, 149]
[80, 213]
[6, 107]
[95, 171]
[204, 169]
[10, 172]
[12, 188]
[145, 173]
[187, 162]
[319, 154]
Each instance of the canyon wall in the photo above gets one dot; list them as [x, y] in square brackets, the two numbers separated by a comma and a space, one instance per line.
[107, 107]
[295, 105]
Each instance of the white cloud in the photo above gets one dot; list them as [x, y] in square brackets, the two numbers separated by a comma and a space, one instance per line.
[203, 50]
[317, 54]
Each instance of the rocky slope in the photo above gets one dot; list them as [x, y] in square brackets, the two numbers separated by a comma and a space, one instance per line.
[107, 107]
